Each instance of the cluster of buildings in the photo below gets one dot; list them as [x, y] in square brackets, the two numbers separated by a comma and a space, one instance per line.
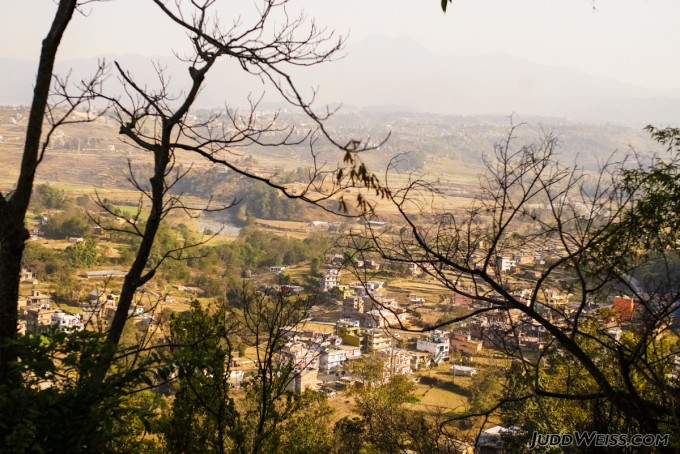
[322, 361]
[37, 315]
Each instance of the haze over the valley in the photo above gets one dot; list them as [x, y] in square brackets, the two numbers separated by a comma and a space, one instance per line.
[585, 61]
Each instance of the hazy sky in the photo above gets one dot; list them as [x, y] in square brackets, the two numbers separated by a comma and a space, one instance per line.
[631, 40]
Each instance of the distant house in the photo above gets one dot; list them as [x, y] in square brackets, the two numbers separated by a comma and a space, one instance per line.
[530, 344]
[329, 279]
[524, 259]
[336, 355]
[373, 286]
[465, 371]
[302, 380]
[39, 319]
[556, 299]
[397, 362]
[413, 269]
[277, 269]
[300, 354]
[104, 274]
[350, 333]
[334, 259]
[22, 304]
[236, 377]
[25, 275]
[352, 305]
[97, 296]
[465, 344]
[342, 291]
[506, 264]
[372, 265]
[437, 345]
[623, 307]
[419, 359]
[37, 298]
[491, 441]
[377, 340]
[383, 318]
[331, 358]
[67, 322]
[415, 300]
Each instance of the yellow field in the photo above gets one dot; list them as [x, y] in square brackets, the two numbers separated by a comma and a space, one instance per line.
[436, 400]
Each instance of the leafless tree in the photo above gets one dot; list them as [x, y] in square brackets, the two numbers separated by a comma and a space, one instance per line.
[158, 122]
[14, 204]
[590, 231]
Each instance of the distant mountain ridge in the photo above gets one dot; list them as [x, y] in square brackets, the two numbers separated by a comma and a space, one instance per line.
[382, 73]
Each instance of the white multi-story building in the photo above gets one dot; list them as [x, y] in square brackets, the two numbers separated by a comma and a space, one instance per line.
[336, 355]
[437, 345]
[506, 264]
[330, 279]
[331, 358]
[66, 322]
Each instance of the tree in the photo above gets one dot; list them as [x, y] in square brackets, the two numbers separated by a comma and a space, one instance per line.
[49, 197]
[205, 416]
[386, 424]
[203, 411]
[158, 122]
[83, 253]
[597, 233]
[13, 206]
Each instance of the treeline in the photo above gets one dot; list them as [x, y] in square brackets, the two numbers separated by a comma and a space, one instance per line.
[255, 199]
[258, 249]
[214, 269]
[73, 223]
[263, 202]
[211, 268]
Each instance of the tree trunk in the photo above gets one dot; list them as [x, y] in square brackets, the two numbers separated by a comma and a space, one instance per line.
[13, 206]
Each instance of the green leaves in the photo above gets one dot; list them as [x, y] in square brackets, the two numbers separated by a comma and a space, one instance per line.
[445, 4]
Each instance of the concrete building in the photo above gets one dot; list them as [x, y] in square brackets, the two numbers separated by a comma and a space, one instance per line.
[384, 318]
[39, 319]
[623, 307]
[38, 298]
[330, 279]
[67, 322]
[301, 355]
[350, 332]
[330, 359]
[506, 264]
[464, 371]
[555, 298]
[377, 340]
[437, 345]
[397, 362]
[302, 380]
[466, 344]
[336, 355]
[353, 305]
